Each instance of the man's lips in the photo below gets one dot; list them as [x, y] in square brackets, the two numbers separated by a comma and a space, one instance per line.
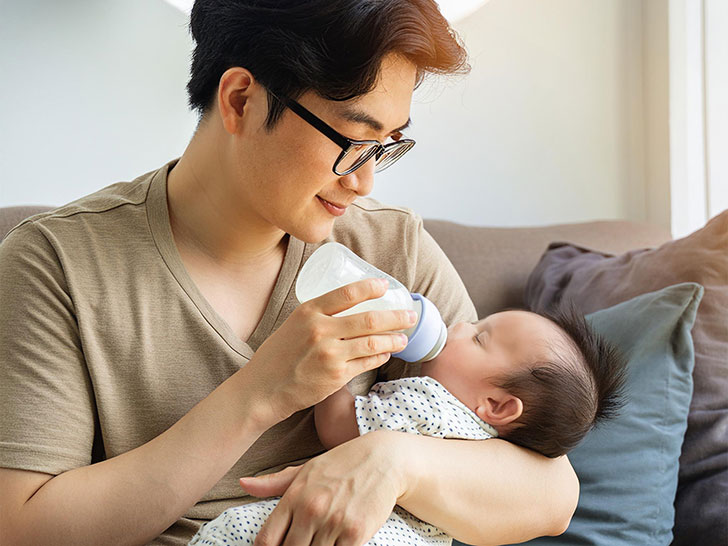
[336, 204]
[333, 208]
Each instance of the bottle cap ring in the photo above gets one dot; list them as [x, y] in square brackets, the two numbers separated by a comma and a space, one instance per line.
[429, 336]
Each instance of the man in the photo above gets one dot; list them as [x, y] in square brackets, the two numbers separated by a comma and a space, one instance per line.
[155, 331]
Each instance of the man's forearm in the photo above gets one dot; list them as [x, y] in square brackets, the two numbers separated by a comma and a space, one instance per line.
[132, 498]
[485, 491]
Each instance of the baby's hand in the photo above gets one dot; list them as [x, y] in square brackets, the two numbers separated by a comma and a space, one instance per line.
[335, 418]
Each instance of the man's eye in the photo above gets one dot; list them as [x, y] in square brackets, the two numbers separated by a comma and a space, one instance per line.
[396, 136]
[477, 339]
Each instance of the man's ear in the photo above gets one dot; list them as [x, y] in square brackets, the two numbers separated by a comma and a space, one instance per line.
[500, 409]
[232, 97]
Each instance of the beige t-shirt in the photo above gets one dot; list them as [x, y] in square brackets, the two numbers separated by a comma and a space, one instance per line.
[105, 341]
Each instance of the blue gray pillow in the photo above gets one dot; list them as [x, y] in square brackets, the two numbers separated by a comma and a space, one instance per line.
[628, 467]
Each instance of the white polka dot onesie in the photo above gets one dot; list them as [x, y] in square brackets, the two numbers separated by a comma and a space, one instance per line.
[418, 405]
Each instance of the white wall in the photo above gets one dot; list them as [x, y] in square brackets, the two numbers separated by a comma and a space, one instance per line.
[548, 127]
[91, 93]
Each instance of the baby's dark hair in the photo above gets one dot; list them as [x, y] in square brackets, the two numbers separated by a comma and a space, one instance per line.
[563, 398]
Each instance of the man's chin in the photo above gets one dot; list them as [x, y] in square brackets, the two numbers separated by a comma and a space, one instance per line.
[315, 236]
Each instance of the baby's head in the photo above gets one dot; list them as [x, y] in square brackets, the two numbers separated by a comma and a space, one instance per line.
[541, 380]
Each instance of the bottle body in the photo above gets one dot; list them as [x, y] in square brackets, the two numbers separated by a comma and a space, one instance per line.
[333, 265]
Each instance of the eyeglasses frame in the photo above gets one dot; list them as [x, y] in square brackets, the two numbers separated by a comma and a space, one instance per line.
[345, 143]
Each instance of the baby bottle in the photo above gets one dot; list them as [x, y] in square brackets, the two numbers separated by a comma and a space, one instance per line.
[333, 265]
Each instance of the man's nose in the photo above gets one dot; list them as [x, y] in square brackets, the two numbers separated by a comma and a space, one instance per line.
[361, 180]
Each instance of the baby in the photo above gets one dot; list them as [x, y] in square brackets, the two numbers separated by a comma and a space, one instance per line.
[541, 381]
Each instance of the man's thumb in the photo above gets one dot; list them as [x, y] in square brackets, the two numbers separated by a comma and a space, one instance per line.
[270, 485]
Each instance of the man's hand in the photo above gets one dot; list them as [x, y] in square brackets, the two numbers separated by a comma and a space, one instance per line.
[341, 497]
[314, 353]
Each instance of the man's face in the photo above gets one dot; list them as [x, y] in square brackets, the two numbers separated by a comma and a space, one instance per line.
[291, 166]
[477, 354]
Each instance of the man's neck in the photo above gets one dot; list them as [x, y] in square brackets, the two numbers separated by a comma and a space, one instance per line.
[209, 222]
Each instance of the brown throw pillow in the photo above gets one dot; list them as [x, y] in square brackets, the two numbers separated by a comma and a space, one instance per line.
[594, 280]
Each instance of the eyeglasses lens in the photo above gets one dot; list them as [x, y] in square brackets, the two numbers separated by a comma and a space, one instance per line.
[355, 157]
[391, 155]
[358, 154]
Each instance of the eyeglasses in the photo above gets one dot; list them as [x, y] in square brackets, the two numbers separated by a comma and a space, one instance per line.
[354, 153]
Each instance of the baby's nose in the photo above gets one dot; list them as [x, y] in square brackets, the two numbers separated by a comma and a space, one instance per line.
[454, 328]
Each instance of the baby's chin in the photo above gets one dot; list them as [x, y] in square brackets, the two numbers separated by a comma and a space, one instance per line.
[431, 367]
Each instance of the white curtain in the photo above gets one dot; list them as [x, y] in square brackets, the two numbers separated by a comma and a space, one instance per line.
[698, 83]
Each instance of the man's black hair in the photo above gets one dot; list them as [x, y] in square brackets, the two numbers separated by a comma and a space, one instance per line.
[332, 47]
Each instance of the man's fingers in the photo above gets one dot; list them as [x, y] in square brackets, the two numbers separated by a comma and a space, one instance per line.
[374, 345]
[366, 363]
[377, 322]
[275, 527]
[348, 296]
[270, 485]
[302, 528]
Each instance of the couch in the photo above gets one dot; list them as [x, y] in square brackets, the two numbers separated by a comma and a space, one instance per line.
[495, 265]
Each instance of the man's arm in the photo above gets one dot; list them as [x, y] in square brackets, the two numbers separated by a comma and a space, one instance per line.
[483, 485]
[132, 498]
[127, 499]
[335, 419]
[487, 491]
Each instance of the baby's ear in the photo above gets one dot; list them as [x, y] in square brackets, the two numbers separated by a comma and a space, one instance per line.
[500, 409]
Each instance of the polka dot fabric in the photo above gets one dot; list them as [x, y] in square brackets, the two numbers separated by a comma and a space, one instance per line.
[419, 405]
[240, 525]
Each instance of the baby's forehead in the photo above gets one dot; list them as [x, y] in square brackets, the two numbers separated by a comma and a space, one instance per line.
[515, 317]
[525, 327]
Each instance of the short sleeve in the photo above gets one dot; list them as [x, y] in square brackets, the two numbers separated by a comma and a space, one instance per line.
[46, 401]
[393, 405]
[435, 278]
[418, 405]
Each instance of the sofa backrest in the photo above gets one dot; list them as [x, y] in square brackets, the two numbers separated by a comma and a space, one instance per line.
[12, 216]
[494, 263]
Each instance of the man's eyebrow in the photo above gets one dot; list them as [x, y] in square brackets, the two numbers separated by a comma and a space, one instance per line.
[358, 116]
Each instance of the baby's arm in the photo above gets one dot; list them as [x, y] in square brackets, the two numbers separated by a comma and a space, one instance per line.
[335, 419]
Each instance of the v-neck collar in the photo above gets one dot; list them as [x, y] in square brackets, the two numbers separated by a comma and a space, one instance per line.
[159, 223]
